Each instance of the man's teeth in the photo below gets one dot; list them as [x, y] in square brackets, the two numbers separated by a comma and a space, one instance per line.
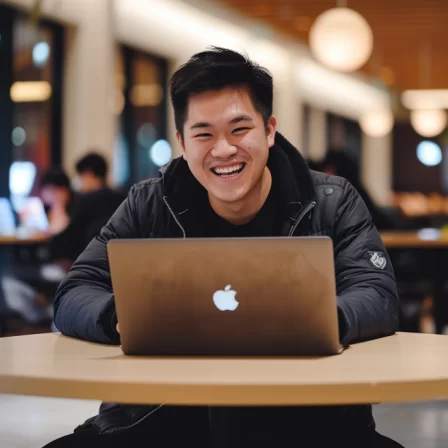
[228, 170]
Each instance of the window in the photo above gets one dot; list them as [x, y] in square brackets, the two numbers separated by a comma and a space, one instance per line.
[140, 103]
[33, 88]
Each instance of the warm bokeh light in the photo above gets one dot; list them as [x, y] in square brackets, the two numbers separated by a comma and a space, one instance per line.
[30, 91]
[377, 123]
[341, 39]
[429, 123]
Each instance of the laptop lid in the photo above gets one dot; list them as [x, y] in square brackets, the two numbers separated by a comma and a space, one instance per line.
[248, 296]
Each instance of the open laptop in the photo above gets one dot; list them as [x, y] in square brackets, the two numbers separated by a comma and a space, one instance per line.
[248, 296]
[32, 215]
[7, 220]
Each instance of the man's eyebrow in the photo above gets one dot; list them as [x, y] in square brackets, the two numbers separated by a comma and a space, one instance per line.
[204, 124]
[200, 124]
[241, 118]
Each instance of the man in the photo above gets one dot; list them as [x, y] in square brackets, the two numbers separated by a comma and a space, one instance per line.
[237, 178]
[95, 204]
[92, 172]
[338, 163]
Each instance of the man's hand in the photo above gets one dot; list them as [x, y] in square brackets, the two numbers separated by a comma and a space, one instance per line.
[118, 328]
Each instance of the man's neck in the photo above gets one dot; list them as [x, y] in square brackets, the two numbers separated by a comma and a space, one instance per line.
[245, 210]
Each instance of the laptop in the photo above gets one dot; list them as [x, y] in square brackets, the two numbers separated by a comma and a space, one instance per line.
[32, 215]
[242, 296]
[7, 219]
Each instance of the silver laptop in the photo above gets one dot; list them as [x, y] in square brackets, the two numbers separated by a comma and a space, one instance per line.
[248, 296]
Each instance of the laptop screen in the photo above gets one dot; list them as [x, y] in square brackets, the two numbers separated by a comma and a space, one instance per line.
[7, 221]
[32, 215]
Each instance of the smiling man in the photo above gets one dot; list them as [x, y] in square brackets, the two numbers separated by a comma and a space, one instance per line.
[238, 177]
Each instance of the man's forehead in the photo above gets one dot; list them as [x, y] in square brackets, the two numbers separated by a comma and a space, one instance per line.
[228, 102]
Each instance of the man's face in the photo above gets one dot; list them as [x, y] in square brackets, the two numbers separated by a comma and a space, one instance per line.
[226, 144]
[87, 182]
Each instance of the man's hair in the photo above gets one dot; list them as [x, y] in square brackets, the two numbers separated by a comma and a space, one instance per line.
[94, 163]
[54, 176]
[216, 69]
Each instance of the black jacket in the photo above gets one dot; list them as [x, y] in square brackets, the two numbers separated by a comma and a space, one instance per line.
[314, 204]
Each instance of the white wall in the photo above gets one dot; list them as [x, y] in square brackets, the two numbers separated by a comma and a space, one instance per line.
[89, 52]
[376, 169]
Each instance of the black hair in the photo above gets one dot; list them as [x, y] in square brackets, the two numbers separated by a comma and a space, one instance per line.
[56, 177]
[216, 69]
[93, 162]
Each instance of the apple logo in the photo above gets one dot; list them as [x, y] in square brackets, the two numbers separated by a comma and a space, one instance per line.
[225, 300]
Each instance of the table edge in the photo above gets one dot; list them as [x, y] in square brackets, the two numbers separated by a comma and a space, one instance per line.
[197, 394]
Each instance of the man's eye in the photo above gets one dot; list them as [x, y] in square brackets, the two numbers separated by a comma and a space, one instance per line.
[239, 130]
[206, 134]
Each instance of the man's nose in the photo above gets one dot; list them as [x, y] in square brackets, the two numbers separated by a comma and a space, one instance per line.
[223, 149]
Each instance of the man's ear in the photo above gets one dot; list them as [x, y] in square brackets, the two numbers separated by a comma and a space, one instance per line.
[181, 143]
[271, 129]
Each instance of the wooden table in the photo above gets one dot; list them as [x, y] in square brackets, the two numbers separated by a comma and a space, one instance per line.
[12, 240]
[402, 367]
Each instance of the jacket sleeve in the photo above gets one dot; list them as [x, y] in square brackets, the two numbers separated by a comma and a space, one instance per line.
[84, 303]
[368, 303]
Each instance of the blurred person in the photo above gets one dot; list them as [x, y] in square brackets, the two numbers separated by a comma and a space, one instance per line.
[28, 286]
[238, 177]
[92, 172]
[95, 204]
[337, 163]
[57, 197]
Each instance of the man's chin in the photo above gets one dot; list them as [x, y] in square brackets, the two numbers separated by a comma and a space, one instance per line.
[227, 198]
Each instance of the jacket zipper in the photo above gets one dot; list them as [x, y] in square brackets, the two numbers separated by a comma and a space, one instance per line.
[302, 215]
[125, 428]
[175, 217]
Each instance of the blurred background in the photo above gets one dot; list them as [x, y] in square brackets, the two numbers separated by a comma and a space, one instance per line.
[360, 89]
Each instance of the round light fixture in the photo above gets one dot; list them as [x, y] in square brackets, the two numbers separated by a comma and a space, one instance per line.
[160, 152]
[429, 153]
[341, 39]
[429, 122]
[377, 123]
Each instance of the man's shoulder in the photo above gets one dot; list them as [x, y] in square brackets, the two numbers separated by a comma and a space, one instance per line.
[148, 193]
[151, 186]
[326, 184]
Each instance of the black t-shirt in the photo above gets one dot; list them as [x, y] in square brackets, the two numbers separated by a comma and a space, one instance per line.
[267, 222]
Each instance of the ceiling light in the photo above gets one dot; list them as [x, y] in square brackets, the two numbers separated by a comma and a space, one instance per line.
[341, 39]
[429, 122]
[30, 91]
[429, 153]
[377, 123]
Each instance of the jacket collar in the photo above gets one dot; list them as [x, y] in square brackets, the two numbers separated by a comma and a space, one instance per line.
[289, 169]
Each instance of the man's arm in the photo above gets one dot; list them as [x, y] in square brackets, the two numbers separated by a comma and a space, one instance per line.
[368, 303]
[84, 303]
